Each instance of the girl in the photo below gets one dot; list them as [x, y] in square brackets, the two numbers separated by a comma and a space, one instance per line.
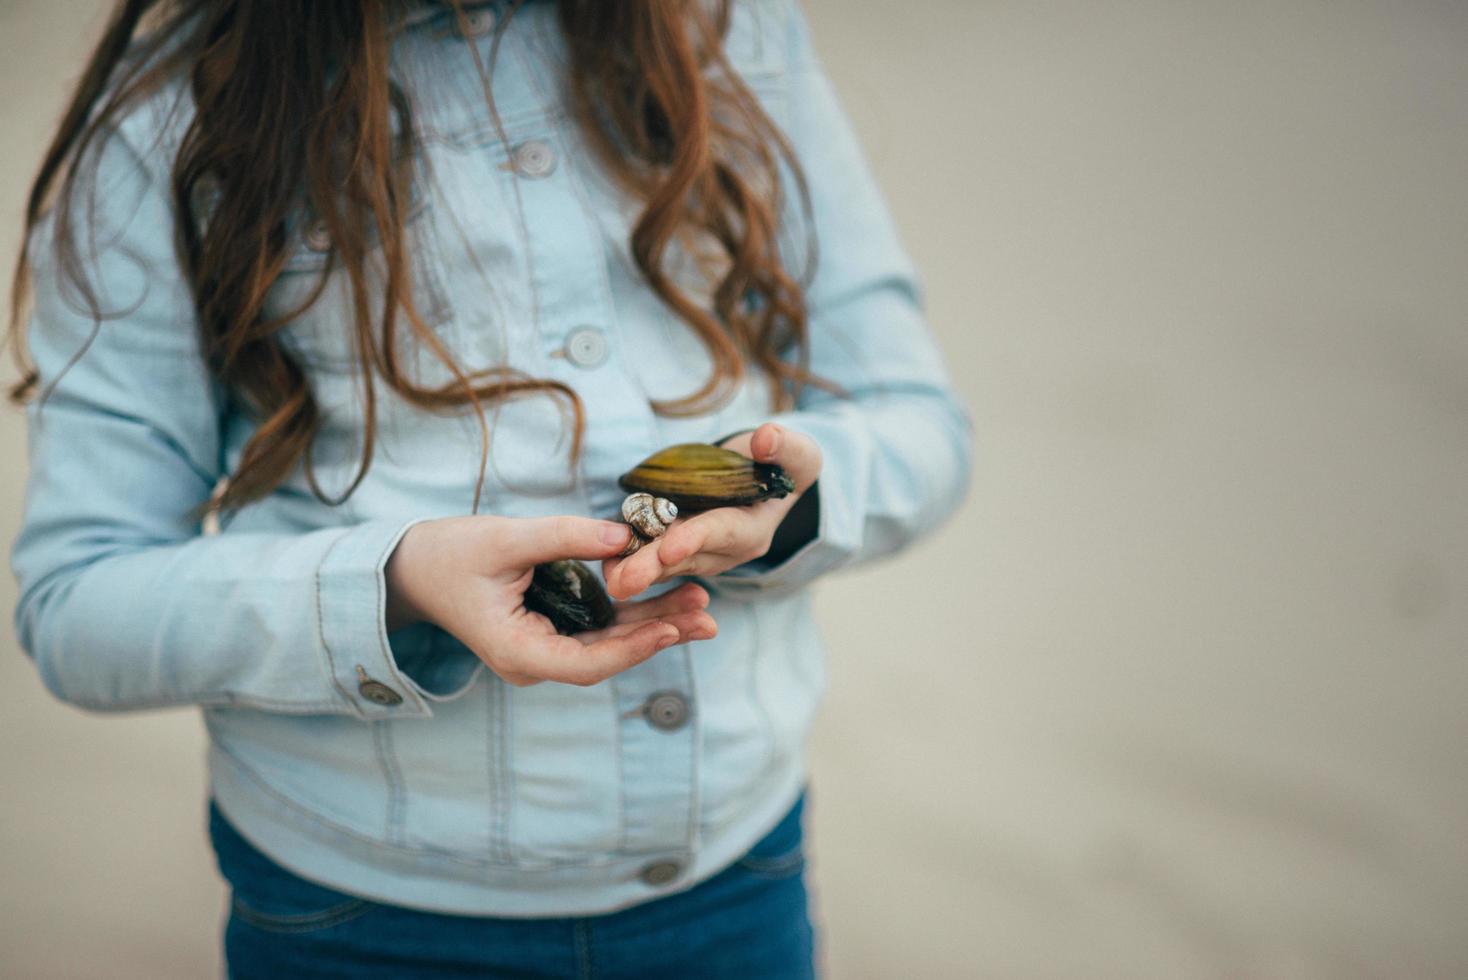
[345, 315]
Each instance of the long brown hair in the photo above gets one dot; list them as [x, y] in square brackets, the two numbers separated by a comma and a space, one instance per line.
[668, 115]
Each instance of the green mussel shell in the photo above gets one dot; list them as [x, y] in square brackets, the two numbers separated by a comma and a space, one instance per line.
[697, 476]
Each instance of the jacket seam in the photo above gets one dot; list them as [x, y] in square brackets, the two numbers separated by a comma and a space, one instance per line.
[407, 850]
[582, 935]
[382, 742]
[498, 760]
[695, 734]
[767, 725]
[321, 631]
[223, 701]
[614, 690]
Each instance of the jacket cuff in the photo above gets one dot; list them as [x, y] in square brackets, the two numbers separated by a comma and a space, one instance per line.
[837, 526]
[351, 605]
[439, 665]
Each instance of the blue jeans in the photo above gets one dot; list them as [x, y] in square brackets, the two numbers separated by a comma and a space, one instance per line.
[748, 921]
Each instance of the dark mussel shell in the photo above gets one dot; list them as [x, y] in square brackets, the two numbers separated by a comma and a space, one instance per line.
[568, 594]
[698, 476]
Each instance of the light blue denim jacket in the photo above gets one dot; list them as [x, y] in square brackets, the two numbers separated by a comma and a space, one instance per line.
[467, 795]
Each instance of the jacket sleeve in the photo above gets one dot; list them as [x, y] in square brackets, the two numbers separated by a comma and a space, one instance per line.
[898, 447]
[124, 603]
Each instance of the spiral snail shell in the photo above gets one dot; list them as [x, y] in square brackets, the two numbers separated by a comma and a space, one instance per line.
[648, 517]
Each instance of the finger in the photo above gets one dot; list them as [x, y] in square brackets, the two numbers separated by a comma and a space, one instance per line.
[694, 624]
[685, 598]
[641, 571]
[795, 452]
[569, 661]
[529, 541]
[718, 540]
[706, 544]
[764, 443]
[609, 566]
[703, 563]
[516, 679]
[717, 531]
[683, 541]
[629, 576]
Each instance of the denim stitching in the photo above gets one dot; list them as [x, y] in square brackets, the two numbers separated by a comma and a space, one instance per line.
[340, 830]
[782, 866]
[225, 700]
[537, 37]
[392, 776]
[305, 922]
[491, 770]
[615, 691]
[581, 932]
[507, 733]
[767, 725]
[453, 858]
[430, 266]
[321, 631]
[695, 731]
[483, 136]
[498, 760]
[379, 583]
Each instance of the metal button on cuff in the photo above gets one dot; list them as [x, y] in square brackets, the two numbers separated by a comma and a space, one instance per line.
[376, 691]
[533, 159]
[660, 872]
[666, 711]
[586, 347]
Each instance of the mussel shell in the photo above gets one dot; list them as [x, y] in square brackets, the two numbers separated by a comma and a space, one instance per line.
[698, 476]
[568, 594]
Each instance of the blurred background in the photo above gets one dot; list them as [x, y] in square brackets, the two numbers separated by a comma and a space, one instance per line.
[1181, 692]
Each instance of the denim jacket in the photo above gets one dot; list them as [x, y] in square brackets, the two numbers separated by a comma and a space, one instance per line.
[396, 766]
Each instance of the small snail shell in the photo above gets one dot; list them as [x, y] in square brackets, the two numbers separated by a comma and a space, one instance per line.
[649, 517]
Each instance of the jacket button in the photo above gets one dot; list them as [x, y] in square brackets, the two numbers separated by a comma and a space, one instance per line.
[586, 348]
[318, 237]
[376, 691]
[478, 23]
[660, 872]
[667, 711]
[533, 158]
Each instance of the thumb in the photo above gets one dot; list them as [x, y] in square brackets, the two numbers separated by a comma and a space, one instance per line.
[531, 540]
[795, 452]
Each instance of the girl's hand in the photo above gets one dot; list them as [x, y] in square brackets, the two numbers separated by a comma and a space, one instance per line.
[717, 540]
[468, 575]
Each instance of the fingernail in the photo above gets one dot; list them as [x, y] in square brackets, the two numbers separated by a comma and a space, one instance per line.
[615, 534]
[667, 641]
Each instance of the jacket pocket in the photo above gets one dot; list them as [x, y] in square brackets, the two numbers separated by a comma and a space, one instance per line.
[313, 292]
[564, 769]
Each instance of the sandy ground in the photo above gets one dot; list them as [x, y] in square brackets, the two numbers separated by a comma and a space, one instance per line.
[1180, 693]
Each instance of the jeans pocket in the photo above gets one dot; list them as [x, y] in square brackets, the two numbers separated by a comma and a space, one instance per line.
[781, 852]
[271, 898]
[296, 922]
[786, 865]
